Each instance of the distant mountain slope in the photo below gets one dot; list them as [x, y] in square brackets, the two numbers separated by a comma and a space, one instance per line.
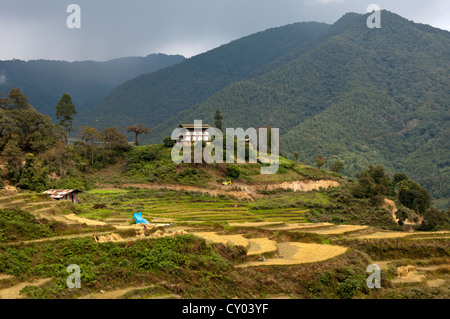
[154, 97]
[364, 96]
[88, 82]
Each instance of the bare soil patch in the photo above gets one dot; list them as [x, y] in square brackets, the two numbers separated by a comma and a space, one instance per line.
[302, 186]
[14, 291]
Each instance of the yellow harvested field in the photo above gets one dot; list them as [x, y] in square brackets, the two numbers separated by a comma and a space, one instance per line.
[86, 221]
[299, 253]
[255, 224]
[299, 226]
[398, 234]
[224, 239]
[260, 246]
[379, 235]
[339, 229]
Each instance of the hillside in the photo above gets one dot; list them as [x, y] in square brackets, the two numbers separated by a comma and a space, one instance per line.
[152, 98]
[88, 82]
[361, 96]
[206, 241]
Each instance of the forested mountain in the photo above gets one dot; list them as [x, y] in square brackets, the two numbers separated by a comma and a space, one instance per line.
[87, 82]
[154, 97]
[363, 96]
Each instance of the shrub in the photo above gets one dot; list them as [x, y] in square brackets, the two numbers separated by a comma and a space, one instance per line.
[168, 142]
[233, 171]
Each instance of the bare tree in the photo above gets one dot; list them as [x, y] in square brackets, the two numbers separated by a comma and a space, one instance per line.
[138, 129]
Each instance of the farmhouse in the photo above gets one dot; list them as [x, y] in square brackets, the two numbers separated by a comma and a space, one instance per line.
[65, 194]
[195, 133]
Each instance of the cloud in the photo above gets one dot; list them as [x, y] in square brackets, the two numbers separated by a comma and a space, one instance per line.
[32, 29]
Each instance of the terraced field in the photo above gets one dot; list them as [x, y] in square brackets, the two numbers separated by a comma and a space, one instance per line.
[271, 236]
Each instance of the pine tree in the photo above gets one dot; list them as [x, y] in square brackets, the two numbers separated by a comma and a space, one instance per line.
[65, 112]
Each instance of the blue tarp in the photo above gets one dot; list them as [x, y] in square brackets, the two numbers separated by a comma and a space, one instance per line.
[139, 219]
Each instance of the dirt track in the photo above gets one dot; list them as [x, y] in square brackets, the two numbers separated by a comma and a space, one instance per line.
[212, 192]
[242, 191]
[14, 291]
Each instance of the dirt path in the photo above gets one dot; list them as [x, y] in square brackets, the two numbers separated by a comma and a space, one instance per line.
[112, 294]
[89, 222]
[79, 235]
[302, 186]
[211, 191]
[14, 291]
[243, 191]
[338, 229]
[397, 234]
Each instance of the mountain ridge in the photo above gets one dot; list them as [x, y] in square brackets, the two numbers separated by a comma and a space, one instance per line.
[88, 82]
[388, 78]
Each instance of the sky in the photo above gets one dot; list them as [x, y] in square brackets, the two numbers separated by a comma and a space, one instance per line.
[38, 29]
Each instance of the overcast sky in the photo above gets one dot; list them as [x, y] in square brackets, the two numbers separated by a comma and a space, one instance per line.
[37, 29]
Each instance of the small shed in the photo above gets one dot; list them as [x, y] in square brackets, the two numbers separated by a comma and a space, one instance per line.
[65, 194]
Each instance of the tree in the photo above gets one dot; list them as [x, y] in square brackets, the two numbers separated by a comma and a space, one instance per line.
[218, 120]
[413, 196]
[320, 161]
[90, 135]
[337, 166]
[168, 142]
[297, 156]
[65, 112]
[114, 139]
[398, 177]
[19, 121]
[16, 100]
[372, 183]
[138, 129]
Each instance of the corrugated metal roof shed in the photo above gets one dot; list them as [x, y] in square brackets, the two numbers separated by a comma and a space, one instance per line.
[60, 193]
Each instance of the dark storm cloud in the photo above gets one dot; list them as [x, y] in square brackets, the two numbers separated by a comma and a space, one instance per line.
[31, 29]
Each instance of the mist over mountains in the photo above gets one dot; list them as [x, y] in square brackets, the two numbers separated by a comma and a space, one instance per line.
[87, 82]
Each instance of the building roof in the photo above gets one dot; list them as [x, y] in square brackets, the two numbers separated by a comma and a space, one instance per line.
[193, 126]
[60, 193]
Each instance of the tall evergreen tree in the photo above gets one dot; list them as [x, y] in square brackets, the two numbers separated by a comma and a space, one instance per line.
[218, 120]
[65, 112]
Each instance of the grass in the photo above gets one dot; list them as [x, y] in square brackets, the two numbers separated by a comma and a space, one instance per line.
[180, 206]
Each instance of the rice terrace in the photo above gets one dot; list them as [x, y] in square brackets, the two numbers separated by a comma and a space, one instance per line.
[205, 239]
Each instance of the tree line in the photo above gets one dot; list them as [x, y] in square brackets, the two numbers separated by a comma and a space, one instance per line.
[32, 147]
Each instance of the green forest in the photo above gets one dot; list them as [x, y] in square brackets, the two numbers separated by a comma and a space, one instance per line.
[361, 96]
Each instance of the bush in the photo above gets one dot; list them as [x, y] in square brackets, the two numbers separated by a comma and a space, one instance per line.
[233, 171]
[20, 225]
[349, 288]
[168, 142]
[413, 196]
